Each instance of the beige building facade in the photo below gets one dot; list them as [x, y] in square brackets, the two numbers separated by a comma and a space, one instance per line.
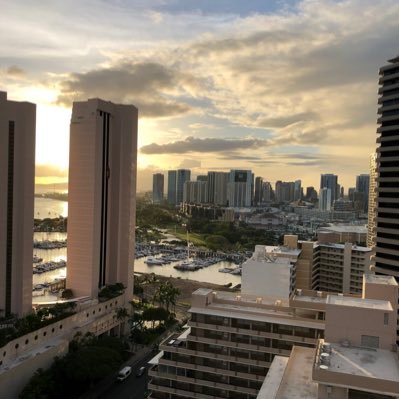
[101, 203]
[17, 179]
[357, 359]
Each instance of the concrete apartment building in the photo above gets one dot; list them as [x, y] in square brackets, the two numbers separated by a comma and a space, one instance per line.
[101, 199]
[157, 188]
[340, 267]
[357, 359]
[17, 179]
[387, 230]
[328, 266]
[310, 345]
[231, 344]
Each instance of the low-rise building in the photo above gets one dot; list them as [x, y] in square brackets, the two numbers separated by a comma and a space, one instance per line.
[357, 359]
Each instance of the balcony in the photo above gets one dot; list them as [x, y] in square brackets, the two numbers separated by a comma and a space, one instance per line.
[258, 332]
[204, 383]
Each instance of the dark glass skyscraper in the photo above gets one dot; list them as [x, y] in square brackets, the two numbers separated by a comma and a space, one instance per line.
[387, 230]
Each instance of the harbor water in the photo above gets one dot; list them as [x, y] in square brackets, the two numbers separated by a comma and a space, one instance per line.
[45, 207]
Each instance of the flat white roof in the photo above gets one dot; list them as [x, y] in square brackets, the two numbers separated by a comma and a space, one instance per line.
[345, 229]
[359, 302]
[372, 278]
[155, 359]
[273, 378]
[310, 299]
[202, 291]
[282, 250]
[297, 381]
[364, 362]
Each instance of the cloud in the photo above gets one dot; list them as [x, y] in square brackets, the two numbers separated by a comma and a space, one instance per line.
[189, 163]
[148, 85]
[50, 171]
[207, 145]
[15, 71]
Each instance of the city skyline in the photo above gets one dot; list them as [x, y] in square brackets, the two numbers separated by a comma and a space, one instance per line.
[286, 89]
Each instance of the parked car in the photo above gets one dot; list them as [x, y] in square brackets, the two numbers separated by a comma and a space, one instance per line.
[124, 373]
[140, 371]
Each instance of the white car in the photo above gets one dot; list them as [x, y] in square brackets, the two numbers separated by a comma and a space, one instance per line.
[124, 373]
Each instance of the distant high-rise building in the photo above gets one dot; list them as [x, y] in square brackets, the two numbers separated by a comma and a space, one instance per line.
[17, 179]
[285, 191]
[330, 181]
[183, 175]
[258, 191]
[239, 188]
[372, 213]
[267, 192]
[217, 187]
[172, 187]
[202, 178]
[387, 237]
[195, 192]
[157, 188]
[297, 190]
[325, 203]
[363, 186]
[101, 197]
[311, 194]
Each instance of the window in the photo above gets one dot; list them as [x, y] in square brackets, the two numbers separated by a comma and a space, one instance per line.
[370, 341]
[386, 318]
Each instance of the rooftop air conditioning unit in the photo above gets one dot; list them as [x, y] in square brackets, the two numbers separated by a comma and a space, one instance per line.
[259, 300]
[320, 294]
[299, 291]
[278, 302]
[238, 297]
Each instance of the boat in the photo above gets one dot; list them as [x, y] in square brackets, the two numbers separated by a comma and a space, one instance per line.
[37, 259]
[154, 261]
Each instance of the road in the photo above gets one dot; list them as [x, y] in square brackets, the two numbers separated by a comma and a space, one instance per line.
[133, 387]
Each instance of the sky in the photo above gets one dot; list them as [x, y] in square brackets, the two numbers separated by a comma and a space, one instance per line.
[287, 89]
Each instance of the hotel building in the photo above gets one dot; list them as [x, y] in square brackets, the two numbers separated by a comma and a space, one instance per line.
[387, 230]
[102, 187]
[17, 179]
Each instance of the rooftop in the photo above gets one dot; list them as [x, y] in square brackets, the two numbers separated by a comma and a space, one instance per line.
[364, 362]
[273, 378]
[387, 280]
[282, 250]
[345, 229]
[359, 302]
[342, 246]
[297, 381]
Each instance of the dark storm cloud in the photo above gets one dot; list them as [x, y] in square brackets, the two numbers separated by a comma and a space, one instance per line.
[208, 145]
[147, 85]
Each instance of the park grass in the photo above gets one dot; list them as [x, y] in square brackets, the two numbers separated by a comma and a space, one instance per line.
[197, 239]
